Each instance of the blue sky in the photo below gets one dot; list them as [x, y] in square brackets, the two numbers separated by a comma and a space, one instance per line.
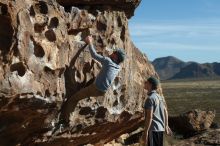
[186, 29]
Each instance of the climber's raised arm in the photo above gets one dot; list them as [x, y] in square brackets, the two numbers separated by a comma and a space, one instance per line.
[94, 54]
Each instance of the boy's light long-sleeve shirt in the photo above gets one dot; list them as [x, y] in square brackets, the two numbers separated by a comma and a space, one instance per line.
[108, 72]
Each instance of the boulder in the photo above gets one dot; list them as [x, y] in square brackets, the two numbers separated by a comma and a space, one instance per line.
[192, 122]
[44, 60]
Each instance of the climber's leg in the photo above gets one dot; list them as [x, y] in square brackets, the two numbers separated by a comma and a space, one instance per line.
[71, 102]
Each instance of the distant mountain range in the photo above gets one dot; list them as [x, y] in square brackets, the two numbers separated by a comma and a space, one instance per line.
[171, 67]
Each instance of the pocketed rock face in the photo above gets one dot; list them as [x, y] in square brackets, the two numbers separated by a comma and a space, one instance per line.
[42, 62]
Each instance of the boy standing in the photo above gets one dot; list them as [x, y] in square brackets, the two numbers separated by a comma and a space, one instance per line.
[156, 116]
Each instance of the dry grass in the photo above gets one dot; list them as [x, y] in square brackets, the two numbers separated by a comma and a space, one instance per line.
[184, 95]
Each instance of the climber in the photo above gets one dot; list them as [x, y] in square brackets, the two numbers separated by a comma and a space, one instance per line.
[156, 115]
[110, 69]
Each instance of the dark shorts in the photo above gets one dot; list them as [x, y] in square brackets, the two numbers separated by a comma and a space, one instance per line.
[155, 138]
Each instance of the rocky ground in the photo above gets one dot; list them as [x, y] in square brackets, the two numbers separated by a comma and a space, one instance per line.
[195, 129]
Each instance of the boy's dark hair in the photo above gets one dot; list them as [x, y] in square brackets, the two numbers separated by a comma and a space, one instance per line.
[154, 82]
[120, 54]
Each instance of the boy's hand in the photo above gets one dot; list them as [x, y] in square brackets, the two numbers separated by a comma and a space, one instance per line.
[89, 40]
[143, 140]
[168, 131]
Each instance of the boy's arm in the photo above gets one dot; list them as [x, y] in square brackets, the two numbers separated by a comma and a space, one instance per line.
[94, 54]
[92, 50]
[167, 128]
[148, 107]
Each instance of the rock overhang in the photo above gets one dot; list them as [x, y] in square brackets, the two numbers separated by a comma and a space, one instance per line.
[128, 6]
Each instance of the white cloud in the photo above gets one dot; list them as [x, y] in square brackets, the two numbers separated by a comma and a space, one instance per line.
[175, 46]
[186, 30]
[176, 35]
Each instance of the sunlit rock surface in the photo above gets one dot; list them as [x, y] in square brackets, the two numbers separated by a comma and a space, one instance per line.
[42, 62]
